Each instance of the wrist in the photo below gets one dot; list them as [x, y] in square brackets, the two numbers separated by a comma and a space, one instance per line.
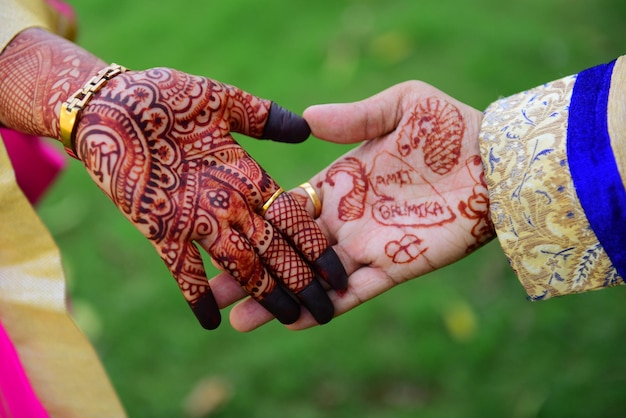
[72, 108]
[38, 72]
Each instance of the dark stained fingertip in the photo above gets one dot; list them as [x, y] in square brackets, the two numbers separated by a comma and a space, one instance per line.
[285, 126]
[329, 267]
[280, 304]
[316, 300]
[207, 311]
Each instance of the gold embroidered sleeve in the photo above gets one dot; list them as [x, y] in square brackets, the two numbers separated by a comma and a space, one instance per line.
[540, 223]
[616, 120]
[17, 15]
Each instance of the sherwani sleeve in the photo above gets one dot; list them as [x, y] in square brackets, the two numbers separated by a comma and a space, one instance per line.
[555, 166]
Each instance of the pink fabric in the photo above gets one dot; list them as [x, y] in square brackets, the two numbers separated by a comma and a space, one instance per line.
[17, 398]
[36, 165]
[63, 8]
[35, 162]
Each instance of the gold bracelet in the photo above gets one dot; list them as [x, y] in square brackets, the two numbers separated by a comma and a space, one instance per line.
[72, 108]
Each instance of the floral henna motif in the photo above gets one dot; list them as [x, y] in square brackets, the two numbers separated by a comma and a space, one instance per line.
[399, 193]
[158, 144]
[406, 250]
[38, 71]
[440, 125]
[352, 205]
[477, 206]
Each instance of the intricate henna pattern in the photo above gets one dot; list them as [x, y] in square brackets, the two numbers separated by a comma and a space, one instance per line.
[38, 71]
[477, 207]
[440, 125]
[158, 144]
[188, 180]
[288, 215]
[396, 186]
[406, 250]
[352, 205]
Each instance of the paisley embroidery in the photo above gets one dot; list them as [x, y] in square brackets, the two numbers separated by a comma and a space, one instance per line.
[539, 221]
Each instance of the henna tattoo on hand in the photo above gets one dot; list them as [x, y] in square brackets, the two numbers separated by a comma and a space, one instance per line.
[391, 180]
[441, 126]
[288, 214]
[405, 250]
[158, 144]
[392, 183]
[38, 71]
[352, 205]
[477, 206]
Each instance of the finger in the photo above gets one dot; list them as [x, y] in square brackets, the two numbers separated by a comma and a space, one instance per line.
[365, 284]
[290, 269]
[328, 261]
[235, 254]
[263, 119]
[285, 126]
[299, 227]
[358, 121]
[226, 289]
[286, 265]
[248, 314]
[188, 269]
[308, 197]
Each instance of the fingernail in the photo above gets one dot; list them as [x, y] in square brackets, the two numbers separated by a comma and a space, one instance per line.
[329, 266]
[207, 311]
[285, 126]
[316, 300]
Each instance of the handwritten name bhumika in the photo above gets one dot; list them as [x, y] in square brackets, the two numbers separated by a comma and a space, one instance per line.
[427, 213]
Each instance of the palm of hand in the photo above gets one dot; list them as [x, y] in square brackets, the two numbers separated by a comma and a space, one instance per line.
[407, 202]
[402, 204]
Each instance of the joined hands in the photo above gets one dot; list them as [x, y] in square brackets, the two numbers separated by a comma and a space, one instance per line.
[409, 200]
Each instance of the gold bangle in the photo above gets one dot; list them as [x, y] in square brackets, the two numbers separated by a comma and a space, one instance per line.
[72, 108]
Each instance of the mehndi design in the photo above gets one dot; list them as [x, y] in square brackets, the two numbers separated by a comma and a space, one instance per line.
[158, 143]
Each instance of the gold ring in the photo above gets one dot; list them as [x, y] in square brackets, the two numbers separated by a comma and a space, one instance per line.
[269, 201]
[314, 198]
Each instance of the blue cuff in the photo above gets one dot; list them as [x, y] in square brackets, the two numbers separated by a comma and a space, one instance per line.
[592, 164]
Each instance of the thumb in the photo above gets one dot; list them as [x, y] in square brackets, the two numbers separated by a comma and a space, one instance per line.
[263, 119]
[347, 123]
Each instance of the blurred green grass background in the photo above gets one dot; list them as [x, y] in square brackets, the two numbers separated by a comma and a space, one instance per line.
[461, 342]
